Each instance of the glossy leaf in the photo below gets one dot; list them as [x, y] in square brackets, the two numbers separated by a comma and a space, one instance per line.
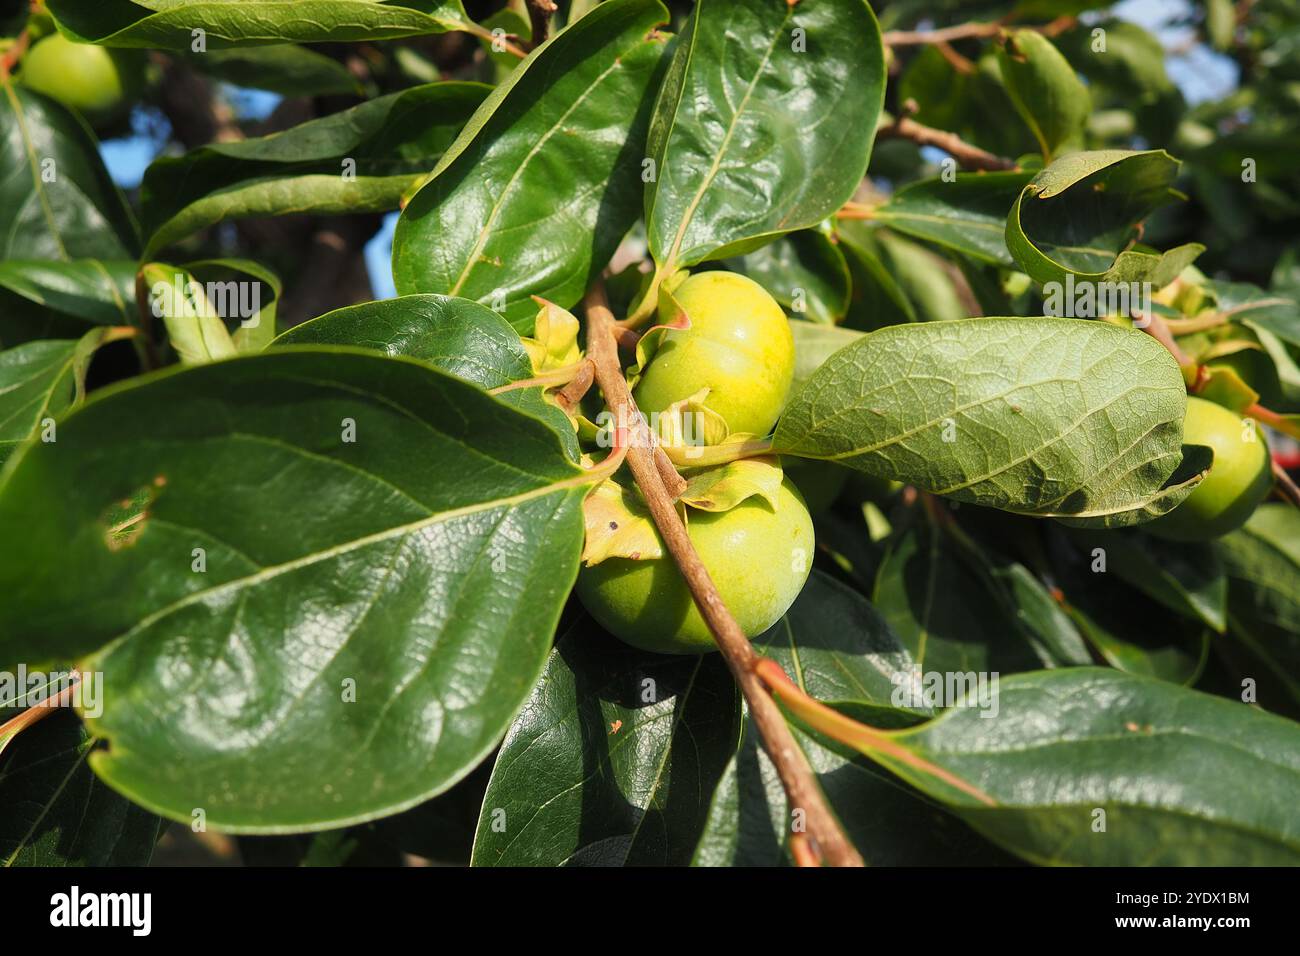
[749, 820]
[56, 198]
[389, 639]
[840, 650]
[167, 24]
[58, 813]
[804, 271]
[544, 182]
[1079, 214]
[1039, 416]
[1164, 763]
[456, 336]
[46, 299]
[763, 126]
[1046, 91]
[613, 760]
[967, 215]
[360, 160]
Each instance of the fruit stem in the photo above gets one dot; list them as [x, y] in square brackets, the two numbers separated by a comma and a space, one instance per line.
[704, 456]
[1283, 423]
[802, 789]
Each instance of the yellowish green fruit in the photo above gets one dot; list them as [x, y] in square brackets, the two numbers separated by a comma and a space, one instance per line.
[758, 558]
[739, 347]
[1238, 481]
[94, 80]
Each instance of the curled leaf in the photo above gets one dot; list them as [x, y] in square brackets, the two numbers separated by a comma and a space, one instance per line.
[618, 526]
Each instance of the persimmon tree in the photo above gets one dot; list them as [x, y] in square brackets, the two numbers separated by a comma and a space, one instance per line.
[805, 432]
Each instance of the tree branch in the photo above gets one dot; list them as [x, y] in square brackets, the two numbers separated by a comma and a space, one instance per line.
[539, 15]
[792, 766]
[970, 31]
[968, 156]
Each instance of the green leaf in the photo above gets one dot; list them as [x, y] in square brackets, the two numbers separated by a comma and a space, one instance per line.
[360, 160]
[877, 299]
[196, 329]
[840, 650]
[168, 24]
[544, 182]
[58, 813]
[456, 336]
[57, 200]
[46, 300]
[749, 819]
[804, 271]
[613, 760]
[1263, 566]
[967, 215]
[763, 126]
[814, 343]
[1052, 417]
[1165, 764]
[1047, 93]
[389, 635]
[1079, 214]
[286, 69]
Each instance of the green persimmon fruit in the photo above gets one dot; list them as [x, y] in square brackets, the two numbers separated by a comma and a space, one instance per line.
[94, 80]
[758, 557]
[820, 482]
[739, 346]
[1238, 480]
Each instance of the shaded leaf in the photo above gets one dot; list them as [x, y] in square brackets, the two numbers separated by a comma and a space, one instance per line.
[804, 271]
[613, 760]
[1047, 93]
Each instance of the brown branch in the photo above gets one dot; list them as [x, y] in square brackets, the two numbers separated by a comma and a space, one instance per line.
[970, 31]
[1285, 486]
[968, 156]
[791, 764]
[539, 15]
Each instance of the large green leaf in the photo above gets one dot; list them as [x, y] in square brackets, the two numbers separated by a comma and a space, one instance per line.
[168, 24]
[57, 200]
[749, 820]
[1046, 91]
[613, 760]
[1039, 416]
[1165, 764]
[804, 271]
[839, 649]
[967, 214]
[1263, 566]
[537, 192]
[1078, 217]
[347, 668]
[458, 336]
[360, 160]
[763, 126]
[58, 813]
